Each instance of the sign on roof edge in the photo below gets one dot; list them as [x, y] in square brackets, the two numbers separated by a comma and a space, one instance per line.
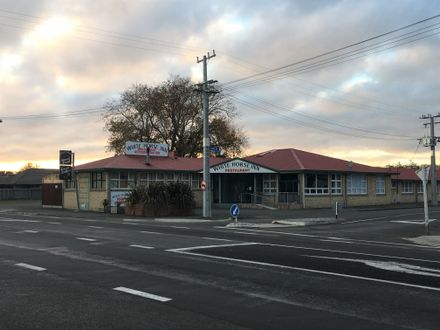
[140, 148]
[239, 166]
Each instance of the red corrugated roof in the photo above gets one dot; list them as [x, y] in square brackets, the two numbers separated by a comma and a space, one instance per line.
[277, 159]
[297, 160]
[408, 174]
[124, 162]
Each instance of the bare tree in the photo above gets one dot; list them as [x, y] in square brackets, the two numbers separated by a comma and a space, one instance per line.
[172, 113]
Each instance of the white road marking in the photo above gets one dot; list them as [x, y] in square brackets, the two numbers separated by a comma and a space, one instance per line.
[142, 294]
[351, 252]
[270, 231]
[218, 239]
[54, 223]
[141, 246]
[151, 232]
[96, 227]
[211, 246]
[336, 241]
[38, 269]
[388, 265]
[137, 220]
[180, 227]
[17, 220]
[413, 222]
[244, 232]
[31, 231]
[86, 239]
[307, 270]
[364, 220]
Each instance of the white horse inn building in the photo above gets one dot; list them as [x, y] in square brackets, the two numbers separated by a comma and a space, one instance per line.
[281, 178]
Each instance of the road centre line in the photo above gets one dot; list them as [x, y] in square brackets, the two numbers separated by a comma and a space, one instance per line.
[151, 232]
[96, 227]
[272, 232]
[32, 267]
[31, 231]
[245, 232]
[54, 223]
[17, 220]
[211, 246]
[335, 241]
[307, 270]
[141, 246]
[180, 227]
[142, 294]
[218, 239]
[86, 239]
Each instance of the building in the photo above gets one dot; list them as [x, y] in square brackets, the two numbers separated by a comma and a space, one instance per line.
[23, 185]
[283, 178]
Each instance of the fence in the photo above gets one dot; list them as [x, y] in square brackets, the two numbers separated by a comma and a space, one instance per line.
[20, 193]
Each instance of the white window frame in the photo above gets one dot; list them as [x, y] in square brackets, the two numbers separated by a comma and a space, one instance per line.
[362, 184]
[115, 180]
[336, 184]
[380, 184]
[269, 183]
[420, 187]
[407, 187]
[196, 178]
[315, 190]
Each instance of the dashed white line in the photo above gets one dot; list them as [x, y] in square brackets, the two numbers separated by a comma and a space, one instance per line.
[151, 232]
[86, 239]
[211, 246]
[180, 227]
[18, 220]
[142, 294]
[141, 246]
[218, 239]
[54, 223]
[245, 232]
[96, 227]
[28, 266]
[336, 241]
[30, 231]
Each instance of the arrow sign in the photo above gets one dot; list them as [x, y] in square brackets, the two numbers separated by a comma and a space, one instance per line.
[235, 210]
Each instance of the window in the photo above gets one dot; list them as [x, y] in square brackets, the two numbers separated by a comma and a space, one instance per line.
[122, 180]
[316, 184]
[420, 187]
[357, 184]
[69, 184]
[380, 185]
[170, 177]
[407, 187]
[184, 178]
[269, 183]
[142, 179]
[336, 184]
[196, 179]
[97, 181]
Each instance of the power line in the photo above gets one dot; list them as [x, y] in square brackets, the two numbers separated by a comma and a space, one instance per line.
[255, 76]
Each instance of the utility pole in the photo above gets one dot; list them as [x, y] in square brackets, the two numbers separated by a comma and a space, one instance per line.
[432, 142]
[206, 174]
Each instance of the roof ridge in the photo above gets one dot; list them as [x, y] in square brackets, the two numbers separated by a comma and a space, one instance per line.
[293, 152]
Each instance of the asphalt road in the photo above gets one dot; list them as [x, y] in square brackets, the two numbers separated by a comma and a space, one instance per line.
[74, 271]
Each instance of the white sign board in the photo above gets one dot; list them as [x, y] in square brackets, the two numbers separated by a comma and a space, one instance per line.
[118, 197]
[140, 148]
[239, 166]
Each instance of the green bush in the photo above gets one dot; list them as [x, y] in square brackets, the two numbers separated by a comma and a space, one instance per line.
[158, 196]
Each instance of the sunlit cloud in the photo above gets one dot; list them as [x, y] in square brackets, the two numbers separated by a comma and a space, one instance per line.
[49, 32]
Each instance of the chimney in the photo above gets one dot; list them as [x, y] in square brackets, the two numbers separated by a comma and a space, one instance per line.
[147, 158]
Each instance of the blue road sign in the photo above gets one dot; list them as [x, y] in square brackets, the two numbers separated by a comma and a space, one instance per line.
[235, 210]
[215, 149]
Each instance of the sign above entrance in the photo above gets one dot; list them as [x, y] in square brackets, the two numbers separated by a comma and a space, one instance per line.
[239, 166]
[142, 148]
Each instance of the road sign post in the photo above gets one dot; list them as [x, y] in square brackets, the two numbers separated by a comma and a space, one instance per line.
[234, 211]
[423, 175]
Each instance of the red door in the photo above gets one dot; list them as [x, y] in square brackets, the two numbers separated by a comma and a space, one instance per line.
[52, 194]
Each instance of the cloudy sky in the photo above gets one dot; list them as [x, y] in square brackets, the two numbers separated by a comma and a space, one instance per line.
[62, 60]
